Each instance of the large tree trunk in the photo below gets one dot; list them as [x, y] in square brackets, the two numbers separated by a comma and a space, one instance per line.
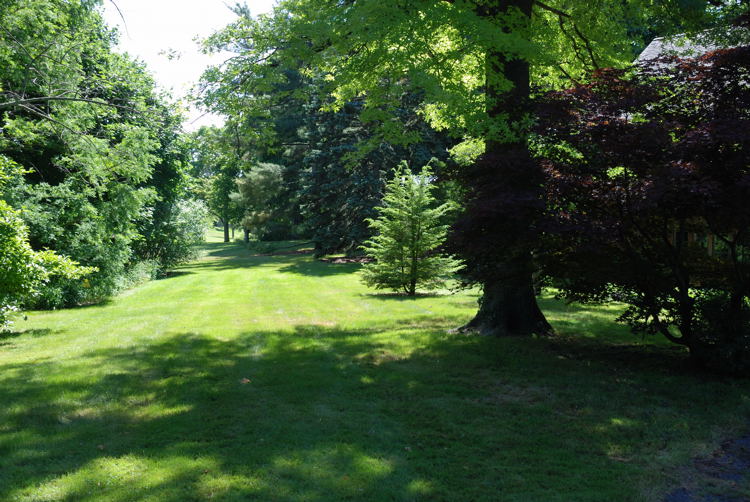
[508, 307]
[226, 231]
[505, 189]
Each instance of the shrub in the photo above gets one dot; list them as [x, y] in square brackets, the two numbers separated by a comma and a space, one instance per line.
[24, 271]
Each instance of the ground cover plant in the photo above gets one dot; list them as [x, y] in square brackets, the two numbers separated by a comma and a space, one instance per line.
[278, 377]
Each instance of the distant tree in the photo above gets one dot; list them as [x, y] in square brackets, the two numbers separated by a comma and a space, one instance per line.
[648, 183]
[220, 201]
[337, 198]
[408, 233]
[217, 159]
[256, 193]
[341, 184]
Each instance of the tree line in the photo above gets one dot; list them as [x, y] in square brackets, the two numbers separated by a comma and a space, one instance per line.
[607, 185]
[94, 166]
[476, 79]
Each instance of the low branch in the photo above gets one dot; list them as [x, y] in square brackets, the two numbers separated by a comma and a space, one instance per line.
[564, 16]
[46, 99]
[553, 10]
[587, 43]
[664, 330]
[568, 75]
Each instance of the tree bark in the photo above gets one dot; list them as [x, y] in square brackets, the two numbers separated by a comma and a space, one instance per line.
[247, 236]
[508, 306]
[226, 231]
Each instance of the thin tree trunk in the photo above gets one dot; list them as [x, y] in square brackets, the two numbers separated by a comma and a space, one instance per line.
[226, 231]
[247, 236]
[508, 306]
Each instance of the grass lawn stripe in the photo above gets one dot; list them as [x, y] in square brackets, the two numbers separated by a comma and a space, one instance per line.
[245, 377]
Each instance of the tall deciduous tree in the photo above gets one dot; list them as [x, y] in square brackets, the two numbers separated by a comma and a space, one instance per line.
[98, 140]
[472, 62]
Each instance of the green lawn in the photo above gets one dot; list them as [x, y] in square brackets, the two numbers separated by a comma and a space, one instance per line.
[248, 377]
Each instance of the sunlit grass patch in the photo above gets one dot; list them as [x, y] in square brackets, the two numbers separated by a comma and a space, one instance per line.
[276, 378]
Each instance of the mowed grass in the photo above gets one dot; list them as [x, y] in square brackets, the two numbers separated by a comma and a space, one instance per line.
[279, 378]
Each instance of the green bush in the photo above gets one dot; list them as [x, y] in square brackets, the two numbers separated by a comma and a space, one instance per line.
[171, 238]
[24, 271]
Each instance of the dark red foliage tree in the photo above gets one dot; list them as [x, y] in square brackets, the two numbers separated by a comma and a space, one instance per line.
[648, 191]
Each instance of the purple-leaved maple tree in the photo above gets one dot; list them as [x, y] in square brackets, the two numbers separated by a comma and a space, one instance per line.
[648, 199]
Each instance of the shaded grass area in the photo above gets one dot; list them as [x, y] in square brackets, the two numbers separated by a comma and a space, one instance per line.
[268, 378]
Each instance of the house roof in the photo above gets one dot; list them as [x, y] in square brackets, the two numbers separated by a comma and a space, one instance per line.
[681, 47]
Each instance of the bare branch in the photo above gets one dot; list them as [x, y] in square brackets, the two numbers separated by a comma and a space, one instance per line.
[125, 24]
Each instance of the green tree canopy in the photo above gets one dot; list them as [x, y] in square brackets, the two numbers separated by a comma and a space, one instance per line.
[472, 63]
[100, 143]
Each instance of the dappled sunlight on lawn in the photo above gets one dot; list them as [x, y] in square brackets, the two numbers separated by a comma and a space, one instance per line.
[256, 383]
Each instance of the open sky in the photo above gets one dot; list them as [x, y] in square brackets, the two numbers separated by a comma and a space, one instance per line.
[152, 28]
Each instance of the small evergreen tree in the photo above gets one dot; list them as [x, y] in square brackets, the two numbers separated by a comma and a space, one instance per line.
[407, 234]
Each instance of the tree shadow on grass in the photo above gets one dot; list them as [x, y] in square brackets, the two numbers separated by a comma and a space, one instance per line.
[174, 273]
[34, 333]
[246, 262]
[549, 303]
[223, 250]
[400, 297]
[638, 355]
[227, 256]
[326, 413]
[316, 268]
[9, 335]
[94, 304]
[584, 322]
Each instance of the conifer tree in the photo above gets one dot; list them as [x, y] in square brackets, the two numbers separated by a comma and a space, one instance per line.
[408, 233]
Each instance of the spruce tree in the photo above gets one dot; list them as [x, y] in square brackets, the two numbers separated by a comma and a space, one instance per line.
[408, 233]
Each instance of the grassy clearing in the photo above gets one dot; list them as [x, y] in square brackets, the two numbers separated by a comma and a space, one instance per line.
[279, 378]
